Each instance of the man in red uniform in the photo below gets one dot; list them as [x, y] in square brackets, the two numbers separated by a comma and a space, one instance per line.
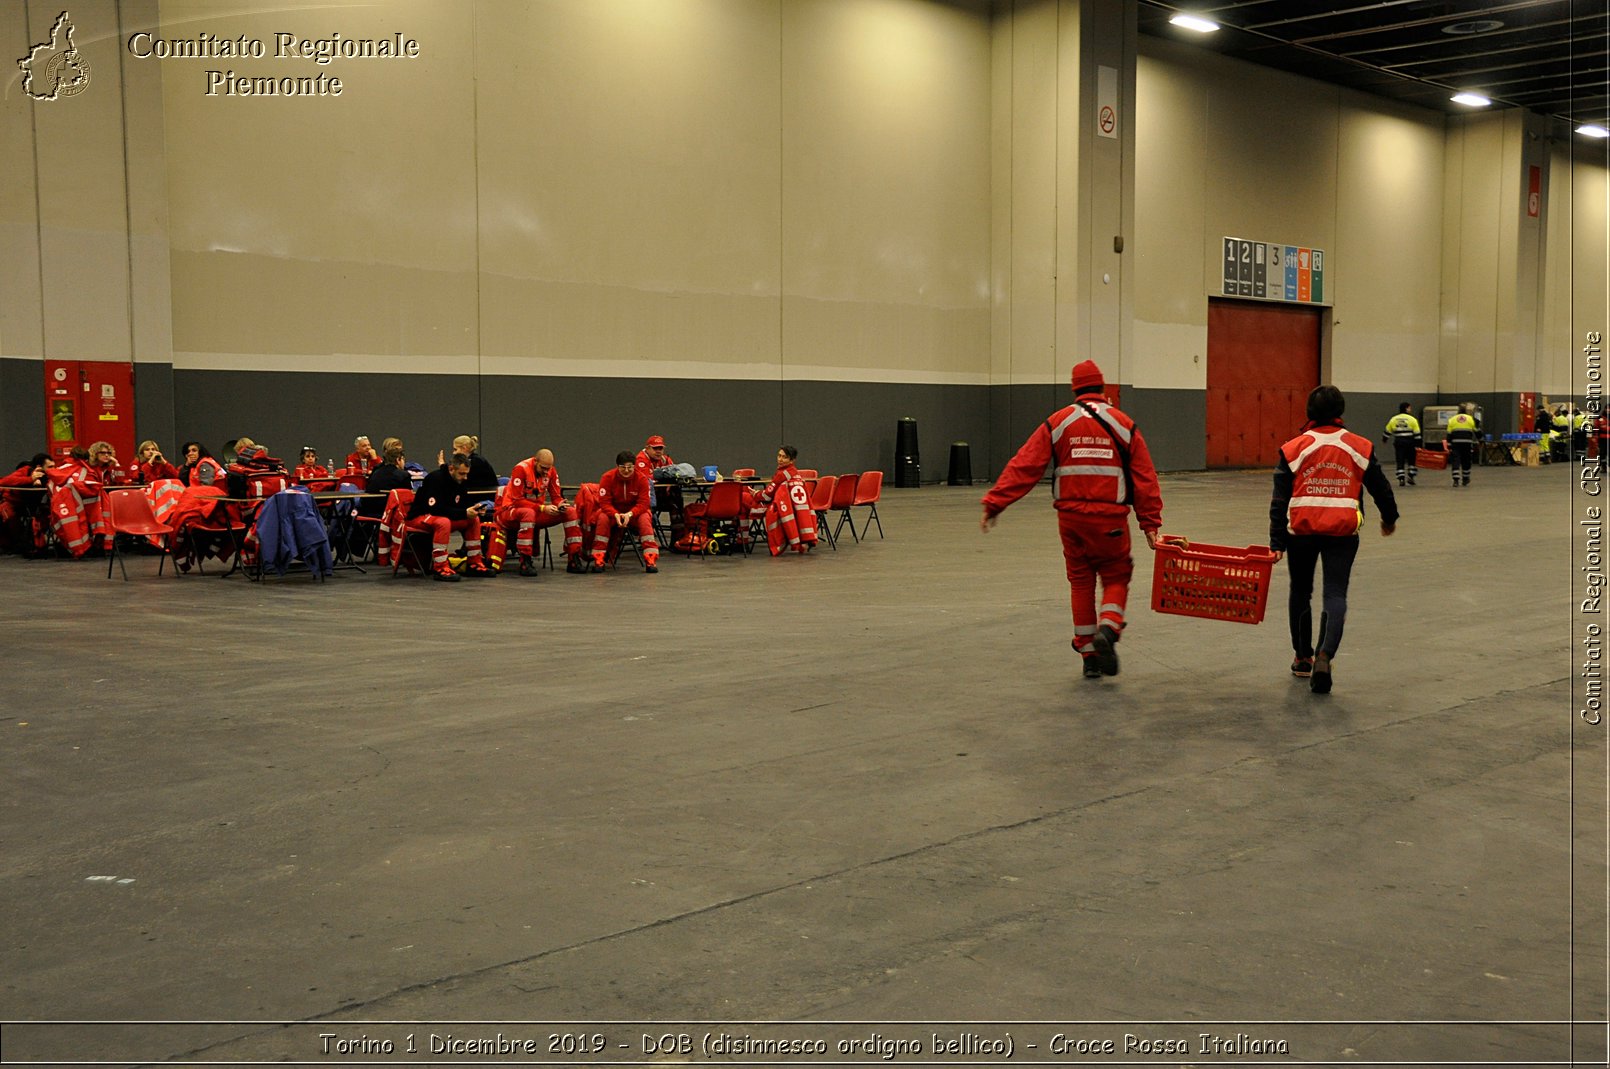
[623, 503]
[1100, 467]
[443, 505]
[363, 458]
[531, 501]
[664, 495]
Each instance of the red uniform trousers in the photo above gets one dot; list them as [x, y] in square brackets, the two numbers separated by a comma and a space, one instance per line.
[441, 528]
[604, 536]
[1092, 547]
[527, 518]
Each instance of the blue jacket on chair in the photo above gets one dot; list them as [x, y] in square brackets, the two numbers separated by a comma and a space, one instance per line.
[289, 527]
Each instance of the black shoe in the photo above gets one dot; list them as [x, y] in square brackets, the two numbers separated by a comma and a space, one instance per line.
[1302, 667]
[596, 568]
[1466, 482]
[577, 566]
[528, 566]
[1319, 682]
[1106, 657]
[446, 575]
[651, 567]
[1401, 482]
[1411, 480]
[1092, 670]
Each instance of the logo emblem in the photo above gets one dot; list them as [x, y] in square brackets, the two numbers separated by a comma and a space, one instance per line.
[55, 69]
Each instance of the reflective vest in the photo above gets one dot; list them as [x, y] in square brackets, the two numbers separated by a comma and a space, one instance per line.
[1085, 449]
[1462, 428]
[1403, 426]
[1327, 468]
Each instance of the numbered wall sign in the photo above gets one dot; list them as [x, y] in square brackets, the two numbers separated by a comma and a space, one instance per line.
[1273, 271]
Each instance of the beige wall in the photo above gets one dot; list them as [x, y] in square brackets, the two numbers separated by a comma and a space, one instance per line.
[887, 190]
[82, 203]
[1575, 297]
[1230, 149]
[1061, 193]
[682, 188]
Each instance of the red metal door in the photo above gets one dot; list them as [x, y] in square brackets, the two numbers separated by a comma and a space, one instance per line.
[88, 401]
[1263, 361]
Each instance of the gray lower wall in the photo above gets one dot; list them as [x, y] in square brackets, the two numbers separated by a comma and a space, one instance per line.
[22, 410]
[837, 426]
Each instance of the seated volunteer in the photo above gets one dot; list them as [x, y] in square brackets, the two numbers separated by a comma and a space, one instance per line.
[151, 465]
[622, 503]
[25, 517]
[786, 505]
[1314, 516]
[310, 469]
[363, 458]
[104, 465]
[482, 475]
[531, 501]
[392, 474]
[443, 505]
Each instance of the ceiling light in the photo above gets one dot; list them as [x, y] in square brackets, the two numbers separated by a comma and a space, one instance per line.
[1590, 130]
[1192, 22]
[1460, 29]
[1474, 100]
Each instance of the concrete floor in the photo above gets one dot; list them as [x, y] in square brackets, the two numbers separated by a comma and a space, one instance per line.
[845, 791]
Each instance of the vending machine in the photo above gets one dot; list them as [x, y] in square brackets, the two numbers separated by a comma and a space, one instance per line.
[90, 401]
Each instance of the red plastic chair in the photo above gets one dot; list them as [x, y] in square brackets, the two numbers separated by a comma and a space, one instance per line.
[843, 499]
[821, 501]
[808, 474]
[129, 512]
[868, 489]
[743, 473]
[725, 506]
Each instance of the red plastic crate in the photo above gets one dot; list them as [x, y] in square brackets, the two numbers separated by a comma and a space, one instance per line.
[1213, 582]
[1430, 458]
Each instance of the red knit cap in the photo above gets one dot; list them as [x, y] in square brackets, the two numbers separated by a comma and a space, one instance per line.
[655, 439]
[1087, 374]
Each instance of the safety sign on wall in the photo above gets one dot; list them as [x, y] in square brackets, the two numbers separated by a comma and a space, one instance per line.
[1273, 271]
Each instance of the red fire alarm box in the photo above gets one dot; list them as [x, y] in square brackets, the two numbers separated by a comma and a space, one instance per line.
[90, 401]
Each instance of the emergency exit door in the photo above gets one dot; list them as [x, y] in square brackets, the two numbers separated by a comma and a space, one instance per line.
[90, 401]
[1263, 362]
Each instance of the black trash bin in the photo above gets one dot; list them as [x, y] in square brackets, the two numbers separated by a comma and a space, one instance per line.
[961, 465]
[907, 458]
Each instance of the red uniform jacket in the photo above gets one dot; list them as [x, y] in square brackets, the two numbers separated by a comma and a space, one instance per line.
[1088, 447]
[526, 487]
[361, 462]
[147, 473]
[624, 495]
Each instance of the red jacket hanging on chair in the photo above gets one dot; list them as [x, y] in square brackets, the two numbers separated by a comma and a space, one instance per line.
[785, 504]
[75, 505]
[1100, 469]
